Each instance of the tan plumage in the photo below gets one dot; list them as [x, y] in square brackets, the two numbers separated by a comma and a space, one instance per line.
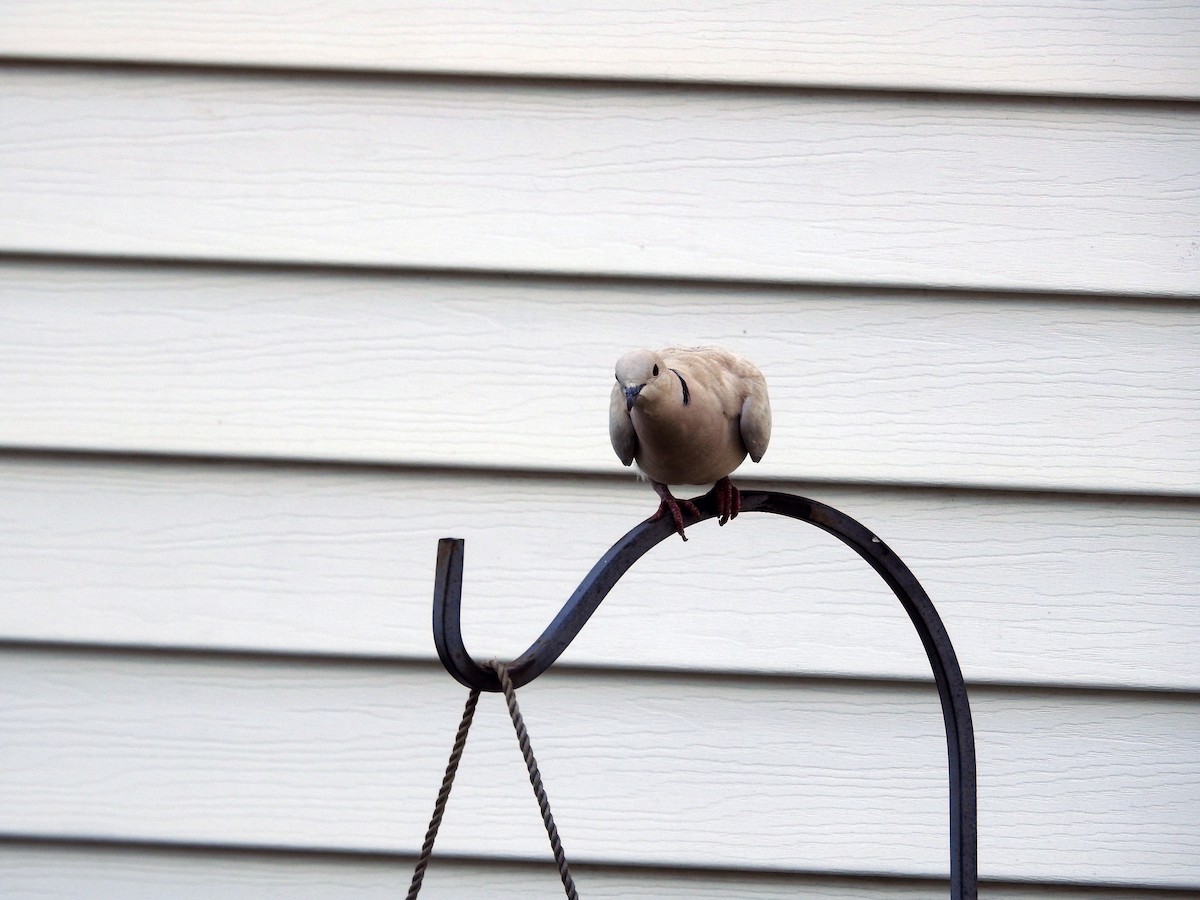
[689, 416]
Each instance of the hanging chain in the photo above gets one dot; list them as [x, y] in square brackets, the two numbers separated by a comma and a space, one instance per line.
[535, 780]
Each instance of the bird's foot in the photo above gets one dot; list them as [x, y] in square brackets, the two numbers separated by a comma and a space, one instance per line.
[729, 500]
[668, 504]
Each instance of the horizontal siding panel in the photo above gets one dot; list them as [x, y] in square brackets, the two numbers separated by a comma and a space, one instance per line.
[1116, 48]
[798, 776]
[1032, 589]
[814, 187]
[866, 386]
[30, 871]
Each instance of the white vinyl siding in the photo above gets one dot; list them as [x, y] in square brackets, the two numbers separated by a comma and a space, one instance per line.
[876, 386]
[1044, 589]
[1122, 48]
[664, 770]
[655, 181]
[288, 294]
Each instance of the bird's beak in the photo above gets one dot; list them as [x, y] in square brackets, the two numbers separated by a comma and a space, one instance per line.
[631, 394]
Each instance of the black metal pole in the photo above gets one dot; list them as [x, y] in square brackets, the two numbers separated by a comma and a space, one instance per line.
[952, 690]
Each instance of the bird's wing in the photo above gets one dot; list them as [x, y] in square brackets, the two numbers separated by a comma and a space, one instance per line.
[620, 427]
[756, 414]
[739, 385]
[756, 419]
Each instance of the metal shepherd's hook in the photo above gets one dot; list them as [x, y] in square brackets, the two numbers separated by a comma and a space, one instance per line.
[956, 711]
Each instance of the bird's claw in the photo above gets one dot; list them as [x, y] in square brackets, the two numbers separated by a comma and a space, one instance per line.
[668, 504]
[729, 500]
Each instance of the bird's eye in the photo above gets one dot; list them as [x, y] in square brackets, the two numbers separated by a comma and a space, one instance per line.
[655, 372]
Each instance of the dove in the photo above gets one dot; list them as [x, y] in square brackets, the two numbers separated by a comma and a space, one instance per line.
[689, 416]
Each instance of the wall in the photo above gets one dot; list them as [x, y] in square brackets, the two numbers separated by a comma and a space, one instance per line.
[286, 295]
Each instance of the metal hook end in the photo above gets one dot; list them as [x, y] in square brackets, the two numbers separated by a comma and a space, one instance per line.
[447, 620]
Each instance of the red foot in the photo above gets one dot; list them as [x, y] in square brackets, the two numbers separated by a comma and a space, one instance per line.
[667, 503]
[729, 500]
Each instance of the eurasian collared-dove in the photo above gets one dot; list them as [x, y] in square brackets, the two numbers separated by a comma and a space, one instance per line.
[689, 416]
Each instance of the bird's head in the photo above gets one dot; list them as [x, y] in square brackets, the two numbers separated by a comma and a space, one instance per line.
[641, 375]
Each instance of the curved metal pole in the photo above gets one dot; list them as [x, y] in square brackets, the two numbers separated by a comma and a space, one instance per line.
[956, 710]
